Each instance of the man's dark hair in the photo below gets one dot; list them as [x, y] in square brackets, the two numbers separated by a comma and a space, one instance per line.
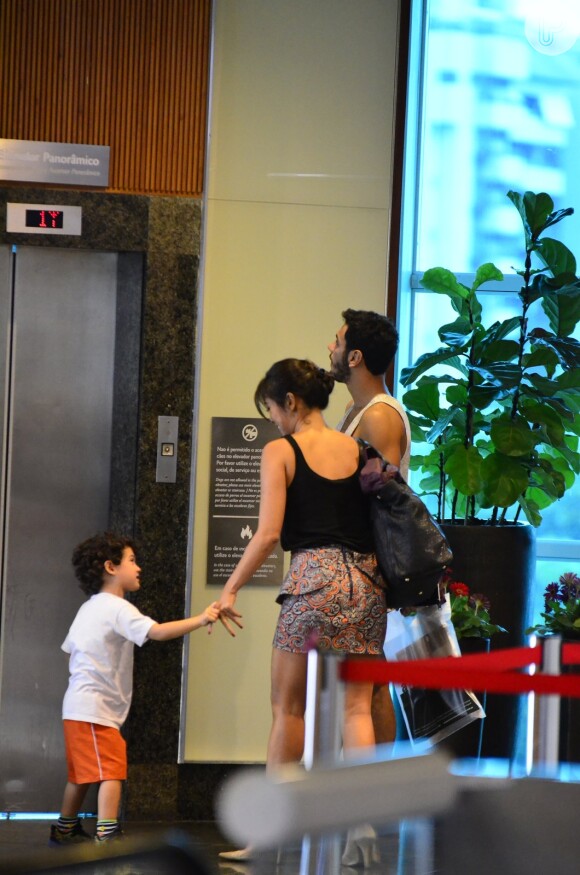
[374, 335]
[89, 558]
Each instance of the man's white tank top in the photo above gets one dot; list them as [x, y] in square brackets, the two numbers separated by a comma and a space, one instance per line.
[382, 398]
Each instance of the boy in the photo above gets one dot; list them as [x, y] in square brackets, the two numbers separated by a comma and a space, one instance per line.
[100, 643]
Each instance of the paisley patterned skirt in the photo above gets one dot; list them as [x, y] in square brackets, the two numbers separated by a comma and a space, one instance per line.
[332, 599]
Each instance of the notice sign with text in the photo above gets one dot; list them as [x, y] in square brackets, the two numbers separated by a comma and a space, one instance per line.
[234, 503]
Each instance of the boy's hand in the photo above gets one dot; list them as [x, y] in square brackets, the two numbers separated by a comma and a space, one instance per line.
[211, 616]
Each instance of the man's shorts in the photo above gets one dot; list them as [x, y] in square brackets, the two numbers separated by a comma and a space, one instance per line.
[94, 753]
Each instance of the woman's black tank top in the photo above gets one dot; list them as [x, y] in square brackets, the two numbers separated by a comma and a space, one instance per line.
[322, 512]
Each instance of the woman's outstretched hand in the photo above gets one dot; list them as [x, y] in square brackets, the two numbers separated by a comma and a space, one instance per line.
[228, 614]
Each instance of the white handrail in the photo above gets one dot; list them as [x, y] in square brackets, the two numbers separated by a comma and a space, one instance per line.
[268, 810]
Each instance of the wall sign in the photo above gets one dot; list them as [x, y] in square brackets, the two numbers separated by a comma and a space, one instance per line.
[236, 450]
[62, 163]
[43, 219]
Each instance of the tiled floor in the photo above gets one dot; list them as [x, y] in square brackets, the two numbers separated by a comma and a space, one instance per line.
[192, 849]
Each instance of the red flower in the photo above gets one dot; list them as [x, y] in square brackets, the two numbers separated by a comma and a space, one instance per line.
[459, 589]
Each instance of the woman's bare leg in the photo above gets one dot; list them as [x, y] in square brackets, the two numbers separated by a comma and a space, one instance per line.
[361, 844]
[286, 742]
[358, 723]
[288, 696]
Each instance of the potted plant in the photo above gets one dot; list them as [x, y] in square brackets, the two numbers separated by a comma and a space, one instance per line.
[496, 408]
[470, 615]
[503, 423]
[561, 616]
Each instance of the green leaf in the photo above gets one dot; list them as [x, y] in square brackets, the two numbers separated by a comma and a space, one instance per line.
[418, 428]
[534, 211]
[535, 290]
[566, 348]
[505, 479]
[541, 414]
[426, 361]
[543, 387]
[457, 334]
[482, 396]
[556, 217]
[500, 330]
[548, 479]
[569, 379]
[563, 310]
[562, 465]
[424, 399]
[464, 468]
[445, 420]
[457, 394]
[500, 350]
[486, 273]
[556, 256]
[444, 282]
[541, 357]
[502, 374]
[572, 458]
[531, 510]
[430, 484]
[513, 437]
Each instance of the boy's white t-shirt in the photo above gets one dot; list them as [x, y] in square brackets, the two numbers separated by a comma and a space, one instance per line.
[100, 643]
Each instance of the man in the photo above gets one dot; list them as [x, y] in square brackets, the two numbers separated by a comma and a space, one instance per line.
[362, 351]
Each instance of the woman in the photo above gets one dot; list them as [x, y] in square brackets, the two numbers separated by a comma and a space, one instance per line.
[332, 594]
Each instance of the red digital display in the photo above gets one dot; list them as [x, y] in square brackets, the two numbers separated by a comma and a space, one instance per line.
[44, 219]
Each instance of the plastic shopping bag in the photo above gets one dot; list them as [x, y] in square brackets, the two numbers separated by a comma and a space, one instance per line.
[430, 715]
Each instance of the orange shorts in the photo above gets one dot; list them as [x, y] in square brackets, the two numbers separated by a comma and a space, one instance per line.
[94, 753]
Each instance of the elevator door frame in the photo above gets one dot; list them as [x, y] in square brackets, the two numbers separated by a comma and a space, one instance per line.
[45, 485]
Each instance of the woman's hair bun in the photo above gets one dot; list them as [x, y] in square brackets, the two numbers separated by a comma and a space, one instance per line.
[326, 379]
[301, 377]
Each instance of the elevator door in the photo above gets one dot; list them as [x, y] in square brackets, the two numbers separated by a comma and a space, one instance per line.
[57, 343]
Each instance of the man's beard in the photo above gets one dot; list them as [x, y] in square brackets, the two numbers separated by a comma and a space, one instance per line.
[340, 370]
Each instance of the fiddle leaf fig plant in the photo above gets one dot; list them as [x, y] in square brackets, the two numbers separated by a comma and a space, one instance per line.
[498, 405]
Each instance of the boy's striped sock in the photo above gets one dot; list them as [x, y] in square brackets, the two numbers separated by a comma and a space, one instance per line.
[105, 829]
[66, 825]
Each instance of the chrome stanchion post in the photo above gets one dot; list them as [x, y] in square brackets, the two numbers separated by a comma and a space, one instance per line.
[546, 747]
[322, 742]
[324, 707]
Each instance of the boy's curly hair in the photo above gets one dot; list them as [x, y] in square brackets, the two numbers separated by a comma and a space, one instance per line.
[89, 558]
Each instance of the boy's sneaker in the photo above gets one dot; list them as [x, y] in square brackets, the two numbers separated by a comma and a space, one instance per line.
[74, 837]
[113, 836]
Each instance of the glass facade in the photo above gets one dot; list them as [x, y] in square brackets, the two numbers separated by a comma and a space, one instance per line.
[501, 111]
[494, 105]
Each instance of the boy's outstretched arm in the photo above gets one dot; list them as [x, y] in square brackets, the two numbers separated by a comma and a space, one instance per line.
[178, 628]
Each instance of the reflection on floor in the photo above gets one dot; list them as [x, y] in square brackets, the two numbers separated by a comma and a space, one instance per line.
[407, 848]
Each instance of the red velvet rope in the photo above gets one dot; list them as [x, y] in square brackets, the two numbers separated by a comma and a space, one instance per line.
[490, 672]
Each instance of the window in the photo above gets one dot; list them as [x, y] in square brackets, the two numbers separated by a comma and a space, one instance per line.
[494, 91]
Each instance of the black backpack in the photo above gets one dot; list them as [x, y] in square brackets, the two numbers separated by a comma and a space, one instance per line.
[412, 551]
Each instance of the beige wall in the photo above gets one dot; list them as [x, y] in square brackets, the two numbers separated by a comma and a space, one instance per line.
[297, 225]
